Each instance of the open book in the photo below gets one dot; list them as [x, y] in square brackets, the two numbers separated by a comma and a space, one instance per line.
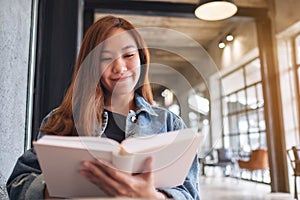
[61, 159]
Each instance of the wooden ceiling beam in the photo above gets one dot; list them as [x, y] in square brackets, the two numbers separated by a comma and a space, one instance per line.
[170, 9]
[252, 3]
[150, 8]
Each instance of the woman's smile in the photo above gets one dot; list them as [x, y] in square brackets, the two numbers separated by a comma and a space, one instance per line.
[121, 78]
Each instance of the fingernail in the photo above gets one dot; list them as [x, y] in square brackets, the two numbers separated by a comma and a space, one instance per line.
[85, 163]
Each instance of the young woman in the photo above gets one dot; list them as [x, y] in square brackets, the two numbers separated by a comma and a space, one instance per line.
[109, 96]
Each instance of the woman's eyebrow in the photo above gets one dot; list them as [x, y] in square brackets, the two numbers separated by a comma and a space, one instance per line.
[123, 49]
[105, 51]
[128, 47]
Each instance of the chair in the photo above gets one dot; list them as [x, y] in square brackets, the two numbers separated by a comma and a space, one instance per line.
[224, 159]
[293, 155]
[258, 161]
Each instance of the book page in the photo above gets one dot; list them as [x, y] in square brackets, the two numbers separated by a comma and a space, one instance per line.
[173, 154]
[148, 143]
[93, 143]
[155, 142]
[180, 160]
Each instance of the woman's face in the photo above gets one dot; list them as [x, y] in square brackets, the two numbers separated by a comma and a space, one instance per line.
[120, 63]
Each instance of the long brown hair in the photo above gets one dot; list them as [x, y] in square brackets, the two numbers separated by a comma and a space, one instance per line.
[61, 122]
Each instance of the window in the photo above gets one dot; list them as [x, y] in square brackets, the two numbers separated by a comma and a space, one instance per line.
[243, 111]
[296, 85]
[289, 66]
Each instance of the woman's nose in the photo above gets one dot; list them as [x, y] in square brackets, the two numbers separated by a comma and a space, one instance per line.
[119, 65]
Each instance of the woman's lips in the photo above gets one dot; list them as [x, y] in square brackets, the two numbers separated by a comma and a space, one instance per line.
[122, 78]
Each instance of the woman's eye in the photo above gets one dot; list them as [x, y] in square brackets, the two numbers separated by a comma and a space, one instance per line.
[129, 55]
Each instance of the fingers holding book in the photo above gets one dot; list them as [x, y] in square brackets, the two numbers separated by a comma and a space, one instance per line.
[98, 176]
[119, 183]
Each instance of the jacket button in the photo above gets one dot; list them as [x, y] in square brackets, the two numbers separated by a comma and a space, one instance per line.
[133, 119]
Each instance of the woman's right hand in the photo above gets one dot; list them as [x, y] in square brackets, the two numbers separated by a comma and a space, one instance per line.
[118, 183]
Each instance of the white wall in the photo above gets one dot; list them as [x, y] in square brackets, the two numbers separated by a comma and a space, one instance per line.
[15, 17]
[245, 40]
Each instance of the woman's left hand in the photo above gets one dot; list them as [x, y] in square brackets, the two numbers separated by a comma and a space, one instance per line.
[118, 183]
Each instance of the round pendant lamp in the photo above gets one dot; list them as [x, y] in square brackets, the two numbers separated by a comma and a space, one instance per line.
[213, 10]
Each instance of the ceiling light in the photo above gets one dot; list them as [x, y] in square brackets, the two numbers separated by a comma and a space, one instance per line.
[212, 10]
[222, 45]
[229, 37]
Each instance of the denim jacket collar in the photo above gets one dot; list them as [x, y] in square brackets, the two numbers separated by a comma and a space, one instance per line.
[141, 106]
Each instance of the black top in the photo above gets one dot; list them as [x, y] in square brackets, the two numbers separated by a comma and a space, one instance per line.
[115, 128]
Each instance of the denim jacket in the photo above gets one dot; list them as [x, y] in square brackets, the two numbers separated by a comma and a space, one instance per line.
[27, 182]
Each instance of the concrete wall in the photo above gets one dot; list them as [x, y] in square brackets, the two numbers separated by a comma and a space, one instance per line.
[15, 17]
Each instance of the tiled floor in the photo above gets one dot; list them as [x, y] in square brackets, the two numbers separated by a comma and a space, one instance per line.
[225, 188]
